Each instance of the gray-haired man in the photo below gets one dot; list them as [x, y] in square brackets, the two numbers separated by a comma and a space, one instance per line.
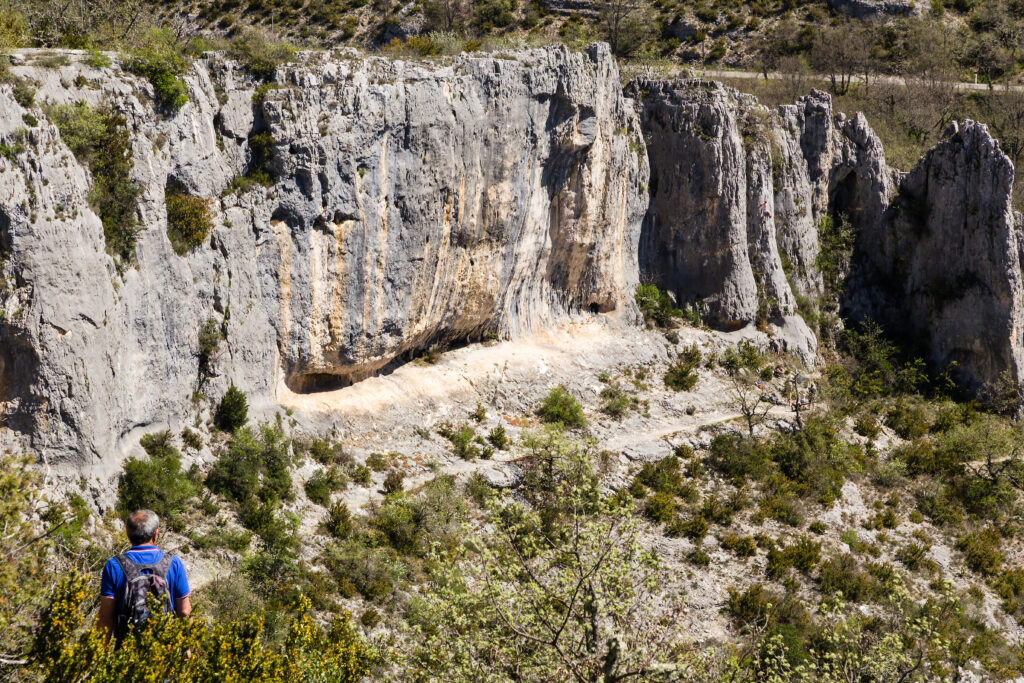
[129, 577]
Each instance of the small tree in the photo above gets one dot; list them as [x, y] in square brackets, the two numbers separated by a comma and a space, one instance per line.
[624, 23]
[233, 410]
[747, 397]
[559, 407]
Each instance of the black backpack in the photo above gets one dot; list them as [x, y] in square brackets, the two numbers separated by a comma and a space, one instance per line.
[142, 580]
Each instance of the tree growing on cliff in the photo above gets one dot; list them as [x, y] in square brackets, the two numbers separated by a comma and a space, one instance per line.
[233, 410]
[625, 24]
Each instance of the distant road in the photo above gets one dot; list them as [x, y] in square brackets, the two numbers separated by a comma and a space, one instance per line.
[711, 73]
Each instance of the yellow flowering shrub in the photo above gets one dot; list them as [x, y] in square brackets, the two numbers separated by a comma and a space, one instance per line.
[193, 650]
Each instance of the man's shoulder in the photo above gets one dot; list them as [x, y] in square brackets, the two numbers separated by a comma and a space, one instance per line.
[177, 563]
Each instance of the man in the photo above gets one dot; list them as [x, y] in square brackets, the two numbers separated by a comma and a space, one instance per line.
[143, 529]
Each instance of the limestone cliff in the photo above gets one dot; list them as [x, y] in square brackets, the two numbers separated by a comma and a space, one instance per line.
[941, 268]
[739, 195]
[415, 203]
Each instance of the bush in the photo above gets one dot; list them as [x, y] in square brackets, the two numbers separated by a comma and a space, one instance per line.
[156, 483]
[656, 306]
[189, 221]
[394, 482]
[816, 458]
[210, 337]
[338, 522]
[99, 139]
[377, 462]
[254, 466]
[739, 458]
[908, 421]
[841, 574]
[741, 546]
[867, 426]
[661, 507]
[372, 572]
[681, 375]
[981, 550]
[326, 453]
[663, 476]
[361, 475]
[259, 55]
[161, 63]
[24, 93]
[695, 528]
[232, 411]
[615, 402]
[559, 407]
[498, 438]
[323, 483]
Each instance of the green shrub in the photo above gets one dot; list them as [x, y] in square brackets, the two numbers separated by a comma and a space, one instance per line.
[189, 221]
[908, 421]
[940, 508]
[816, 458]
[842, 574]
[498, 438]
[210, 337]
[739, 458]
[741, 546]
[259, 55]
[338, 521]
[327, 453]
[96, 59]
[615, 402]
[394, 482]
[695, 528]
[374, 572]
[157, 482]
[159, 60]
[191, 439]
[237, 541]
[681, 375]
[377, 462]
[24, 93]
[1009, 585]
[323, 483]
[804, 554]
[466, 443]
[913, 555]
[361, 475]
[559, 407]
[981, 550]
[661, 507]
[232, 411]
[867, 426]
[99, 139]
[663, 476]
[699, 557]
[657, 307]
[254, 466]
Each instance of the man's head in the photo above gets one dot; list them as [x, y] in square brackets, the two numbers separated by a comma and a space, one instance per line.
[142, 526]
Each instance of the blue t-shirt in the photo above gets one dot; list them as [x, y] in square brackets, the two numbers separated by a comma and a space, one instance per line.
[112, 582]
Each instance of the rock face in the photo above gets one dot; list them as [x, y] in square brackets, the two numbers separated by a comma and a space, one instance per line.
[414, 204]
[941, 270]
[878, 9]
[420, 203]
[738, 193]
